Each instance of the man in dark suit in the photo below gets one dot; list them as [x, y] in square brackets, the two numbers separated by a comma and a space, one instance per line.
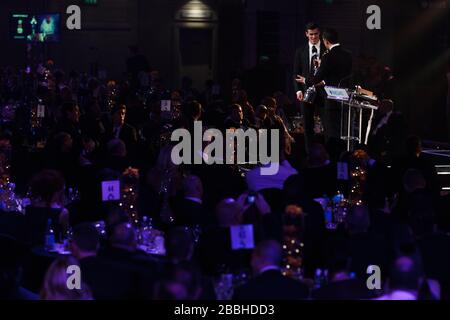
[388, 131]
[108, 279]
[305, 65]
[335, 67]
[270, 284]
[189, 211]
[117, 128]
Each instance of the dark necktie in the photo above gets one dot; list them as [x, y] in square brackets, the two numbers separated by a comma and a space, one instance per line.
[313, 57]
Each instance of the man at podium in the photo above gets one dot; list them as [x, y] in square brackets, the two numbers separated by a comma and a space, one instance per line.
[335, 67]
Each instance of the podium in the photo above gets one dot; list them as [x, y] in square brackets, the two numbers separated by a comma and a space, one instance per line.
[354, 103]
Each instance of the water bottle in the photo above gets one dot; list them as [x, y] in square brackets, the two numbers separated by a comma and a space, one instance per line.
[338, 198]
[318, 279]
[324, 278]
[49, 236]
[67, 238]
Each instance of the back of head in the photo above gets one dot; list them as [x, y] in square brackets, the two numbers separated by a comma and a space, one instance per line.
[404, 275]
[358, 220]
[192, 186]
[14, 253]
[189, 276]
[330, 35]
[318, 155]
[339, 262]
[123, 236]
[46, 185]
[267, 253]
[168, 290]
[294, 189]
[116, 148]
[179, 244]
[86, 237]
[261, 110]
[55, 282]
[228, 213]
[192, 110]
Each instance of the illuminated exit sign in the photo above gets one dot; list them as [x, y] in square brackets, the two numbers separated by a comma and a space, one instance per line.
[91, 2]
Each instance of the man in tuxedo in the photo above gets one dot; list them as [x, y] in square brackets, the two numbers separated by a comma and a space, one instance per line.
[117, 128]
[334, 67]
[189, 211]
[269, 283]
[388, 131]
[305, 65]
[107, 279]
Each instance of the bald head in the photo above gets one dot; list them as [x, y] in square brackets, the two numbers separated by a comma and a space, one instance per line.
[123, 236]
[404, 274]
[267, 253]
[358, 220]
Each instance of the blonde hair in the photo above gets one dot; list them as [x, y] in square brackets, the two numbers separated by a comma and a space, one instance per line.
[55, 283]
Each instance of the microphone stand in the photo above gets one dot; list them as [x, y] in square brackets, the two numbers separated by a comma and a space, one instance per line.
[342, 113]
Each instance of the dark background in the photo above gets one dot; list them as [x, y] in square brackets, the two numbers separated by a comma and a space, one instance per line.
[414, 41]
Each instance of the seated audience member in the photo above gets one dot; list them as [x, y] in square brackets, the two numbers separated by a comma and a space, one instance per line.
[189, 211]
[122, 239]
[415, 159]
[296, 192]
[268, 282]
[214, 249]
[13, 256]
[123, 250]
[366, 248]
[261, 114]
[168, 290]
[47, 200]
[60, 155]
[388, 131]
[240, 97]
[403, 282]
[55, 283]
[320, 175]
[236, 118]
[341, 283]
[432, 244]
[70, 123]
[416, 205]
[116, 158]
[192, 111]
[108, 280]
[187, 277]
[117, 128]
[179, 245]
